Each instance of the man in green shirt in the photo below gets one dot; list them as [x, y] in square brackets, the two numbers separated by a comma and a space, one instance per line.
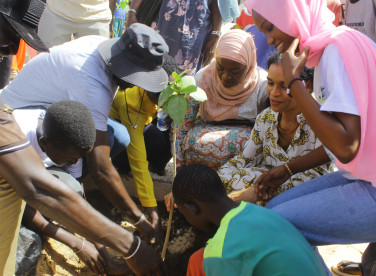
[250, 240]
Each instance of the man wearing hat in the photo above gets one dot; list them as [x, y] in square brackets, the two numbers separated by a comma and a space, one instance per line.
[24, 176]
[90, 70]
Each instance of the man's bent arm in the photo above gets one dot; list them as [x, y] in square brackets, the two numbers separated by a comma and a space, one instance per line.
[44, 192]
[108, 179]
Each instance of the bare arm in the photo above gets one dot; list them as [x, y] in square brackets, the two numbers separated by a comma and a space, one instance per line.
[131, 16]
[44, 192]
[269, 181]
[339, 132]
[85, 249]
[28, 177]
[208, 51]
[311, 160]
[108, 179]
[109, 182]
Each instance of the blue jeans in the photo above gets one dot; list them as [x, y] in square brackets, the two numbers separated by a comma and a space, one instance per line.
[330, 210]
[118, 137]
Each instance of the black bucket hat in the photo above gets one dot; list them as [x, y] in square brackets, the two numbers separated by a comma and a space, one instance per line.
[24, 16]
[136, 57]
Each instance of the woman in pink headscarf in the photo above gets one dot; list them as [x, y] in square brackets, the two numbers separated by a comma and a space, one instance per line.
[236, 91]
[339, 207]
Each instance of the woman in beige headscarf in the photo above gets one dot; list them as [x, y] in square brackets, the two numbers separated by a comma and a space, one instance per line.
[236, 90]
[233, 80]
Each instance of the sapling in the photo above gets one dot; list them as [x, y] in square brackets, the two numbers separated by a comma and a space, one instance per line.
[174, 100]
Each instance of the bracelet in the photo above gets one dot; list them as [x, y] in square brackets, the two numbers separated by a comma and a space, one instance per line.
[133, 10]
[82, 246]
[134, 252]
[292, 81]
[218, 33]
[288, 169]
[141, 219]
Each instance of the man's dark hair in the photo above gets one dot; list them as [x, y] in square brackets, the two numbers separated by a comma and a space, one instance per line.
[69, 123]
[197, 182]
[169, 65]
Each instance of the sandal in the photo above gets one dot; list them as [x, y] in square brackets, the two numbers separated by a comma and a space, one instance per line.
[346, 268]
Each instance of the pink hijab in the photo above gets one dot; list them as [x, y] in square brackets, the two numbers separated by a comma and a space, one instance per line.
[311, 20]
[222, 103]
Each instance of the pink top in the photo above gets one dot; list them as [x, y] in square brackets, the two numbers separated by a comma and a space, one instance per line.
[311, 20]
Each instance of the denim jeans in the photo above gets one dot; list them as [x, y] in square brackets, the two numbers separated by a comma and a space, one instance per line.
[118, 137]
[330, 210]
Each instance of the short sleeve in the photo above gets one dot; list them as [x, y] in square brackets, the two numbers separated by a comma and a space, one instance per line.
[335, 83]
[11, 136]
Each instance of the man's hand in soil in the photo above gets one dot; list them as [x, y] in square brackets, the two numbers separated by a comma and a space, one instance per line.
[92, 258]
[147, 231]
[156, 224]
[146, 261]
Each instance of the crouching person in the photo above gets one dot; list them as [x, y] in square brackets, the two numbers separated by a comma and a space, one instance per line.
[61, 136]
[250, 240]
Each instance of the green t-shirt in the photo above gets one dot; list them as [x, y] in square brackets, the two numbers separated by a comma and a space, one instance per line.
[253, 240]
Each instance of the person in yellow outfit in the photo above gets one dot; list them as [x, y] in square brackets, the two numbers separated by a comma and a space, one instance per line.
[135, 108]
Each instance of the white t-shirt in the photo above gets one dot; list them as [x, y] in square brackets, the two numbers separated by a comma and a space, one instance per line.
[332, 86]
[333, 89]
[27, 119]
[81, 10]
[71, 71]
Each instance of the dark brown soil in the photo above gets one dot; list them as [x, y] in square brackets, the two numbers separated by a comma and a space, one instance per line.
[184, 239]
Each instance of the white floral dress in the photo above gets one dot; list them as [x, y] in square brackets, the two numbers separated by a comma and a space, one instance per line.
[262, 153]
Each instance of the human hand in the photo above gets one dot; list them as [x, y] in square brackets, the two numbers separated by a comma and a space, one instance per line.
[269, 181]
[146, 261]
[209, 50]
[131, 18]
[156, 224]
[167, 199]
[148, 232]
[248, 195]
[92, 258]
[292, 63]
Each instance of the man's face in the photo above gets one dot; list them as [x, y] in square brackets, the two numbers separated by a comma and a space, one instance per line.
[9, 38]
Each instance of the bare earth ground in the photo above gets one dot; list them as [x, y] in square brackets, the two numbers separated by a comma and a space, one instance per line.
[58, 259]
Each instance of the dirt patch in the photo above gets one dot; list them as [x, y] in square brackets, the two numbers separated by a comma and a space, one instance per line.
[58, 259]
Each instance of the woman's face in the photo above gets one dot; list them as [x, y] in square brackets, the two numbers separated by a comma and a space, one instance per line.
[274, 36]
[230, 72]
[280, 101]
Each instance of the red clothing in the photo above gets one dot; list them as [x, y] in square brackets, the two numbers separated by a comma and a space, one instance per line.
[195, 267]
[245, 19]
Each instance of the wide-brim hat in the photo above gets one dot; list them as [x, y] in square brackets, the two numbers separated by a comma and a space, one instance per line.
[136, 57]
[24, 16]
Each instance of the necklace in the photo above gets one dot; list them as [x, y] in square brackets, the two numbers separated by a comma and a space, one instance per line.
[139, 110]
[285, 131]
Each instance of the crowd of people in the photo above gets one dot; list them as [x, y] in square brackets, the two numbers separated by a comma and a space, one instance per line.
[280, 155]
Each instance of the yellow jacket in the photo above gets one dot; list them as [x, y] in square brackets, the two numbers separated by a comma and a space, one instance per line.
[136, 149]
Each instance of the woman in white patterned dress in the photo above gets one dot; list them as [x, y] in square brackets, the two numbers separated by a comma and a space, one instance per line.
[283, 151]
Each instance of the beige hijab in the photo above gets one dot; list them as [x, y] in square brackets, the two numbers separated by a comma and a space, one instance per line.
[223, 103]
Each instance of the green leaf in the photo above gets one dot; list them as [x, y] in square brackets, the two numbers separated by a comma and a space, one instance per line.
[176, 107]
[175, 75]
[199, 95]
[183, 73]
[165, 95]
[188, 84]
